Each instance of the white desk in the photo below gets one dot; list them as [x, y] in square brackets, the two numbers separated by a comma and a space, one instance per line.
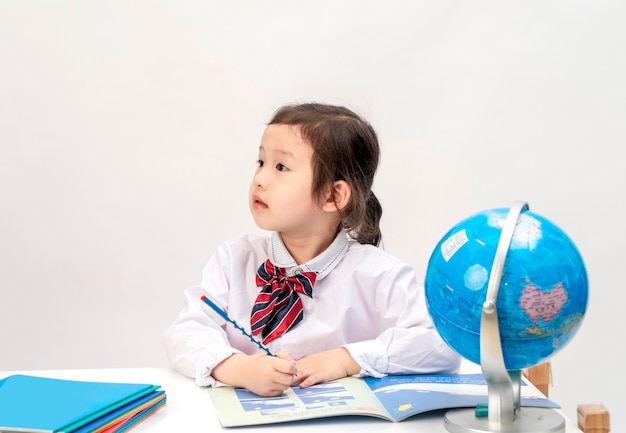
[189, 408]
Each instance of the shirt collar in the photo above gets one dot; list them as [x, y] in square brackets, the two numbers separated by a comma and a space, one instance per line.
[321, 264]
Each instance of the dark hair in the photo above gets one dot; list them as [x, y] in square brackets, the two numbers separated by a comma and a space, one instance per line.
[345, 147]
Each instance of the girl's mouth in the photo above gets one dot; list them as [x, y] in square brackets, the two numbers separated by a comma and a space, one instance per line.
[257, 203]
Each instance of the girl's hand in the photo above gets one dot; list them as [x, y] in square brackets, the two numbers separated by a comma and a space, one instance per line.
[261, 374]
[325, 366]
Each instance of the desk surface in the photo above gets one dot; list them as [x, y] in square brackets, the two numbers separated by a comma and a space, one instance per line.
[189, 407]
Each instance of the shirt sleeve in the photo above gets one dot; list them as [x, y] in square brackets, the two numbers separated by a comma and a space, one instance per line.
[196, 342]
[408, 342]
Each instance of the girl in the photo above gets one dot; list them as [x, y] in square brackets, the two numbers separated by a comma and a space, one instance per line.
[318, 291]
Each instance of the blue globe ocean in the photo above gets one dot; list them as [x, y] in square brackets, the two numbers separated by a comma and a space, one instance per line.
[543, 290]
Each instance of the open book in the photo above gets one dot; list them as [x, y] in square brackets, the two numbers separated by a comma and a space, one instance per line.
[393, 398]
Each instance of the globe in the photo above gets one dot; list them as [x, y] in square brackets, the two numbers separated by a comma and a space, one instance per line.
[542, 295]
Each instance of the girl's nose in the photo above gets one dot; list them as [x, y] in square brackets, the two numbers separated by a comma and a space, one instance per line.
[258, 180]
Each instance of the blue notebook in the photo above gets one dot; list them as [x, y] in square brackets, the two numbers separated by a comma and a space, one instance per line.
[141, 408]
[39, 404]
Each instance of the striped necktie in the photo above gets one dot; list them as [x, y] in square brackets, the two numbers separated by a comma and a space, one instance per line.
[278, 307]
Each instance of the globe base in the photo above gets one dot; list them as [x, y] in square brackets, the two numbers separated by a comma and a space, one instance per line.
[528, 420]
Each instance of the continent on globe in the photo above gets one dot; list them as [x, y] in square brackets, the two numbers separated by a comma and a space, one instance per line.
[546, 305]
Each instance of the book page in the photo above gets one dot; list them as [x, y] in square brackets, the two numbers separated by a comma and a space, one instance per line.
[404, 396]
[347, 396]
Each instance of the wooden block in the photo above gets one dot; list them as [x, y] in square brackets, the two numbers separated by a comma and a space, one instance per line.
[593, 418]
[540, 376]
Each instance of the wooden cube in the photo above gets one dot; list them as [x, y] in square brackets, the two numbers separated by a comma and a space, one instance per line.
[593, 418]
[540, 376]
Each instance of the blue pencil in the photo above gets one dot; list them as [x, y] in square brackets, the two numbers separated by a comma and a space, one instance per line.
[222, 313]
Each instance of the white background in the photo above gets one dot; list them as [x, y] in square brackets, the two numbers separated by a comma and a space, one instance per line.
[128, 136]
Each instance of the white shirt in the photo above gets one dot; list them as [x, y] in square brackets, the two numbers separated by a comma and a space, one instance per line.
[364, 299]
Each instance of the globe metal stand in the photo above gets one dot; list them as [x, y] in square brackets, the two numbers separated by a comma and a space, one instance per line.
[503, 386]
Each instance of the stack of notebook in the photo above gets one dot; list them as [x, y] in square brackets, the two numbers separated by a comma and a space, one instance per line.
[39, 404]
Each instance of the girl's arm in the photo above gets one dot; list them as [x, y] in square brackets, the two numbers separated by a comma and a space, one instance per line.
[407, 342]
[197, 341]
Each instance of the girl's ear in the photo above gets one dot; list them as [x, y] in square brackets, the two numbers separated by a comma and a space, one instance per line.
[339, 196]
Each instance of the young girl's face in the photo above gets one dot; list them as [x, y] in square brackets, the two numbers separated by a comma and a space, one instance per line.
[281, 197]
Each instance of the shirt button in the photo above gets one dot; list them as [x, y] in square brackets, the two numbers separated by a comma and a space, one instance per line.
[297, 271]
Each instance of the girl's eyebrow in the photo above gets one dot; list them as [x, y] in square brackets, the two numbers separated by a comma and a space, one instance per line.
[282, 152]
[285, 153]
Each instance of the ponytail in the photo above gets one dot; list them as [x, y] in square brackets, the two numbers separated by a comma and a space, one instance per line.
[369, 230]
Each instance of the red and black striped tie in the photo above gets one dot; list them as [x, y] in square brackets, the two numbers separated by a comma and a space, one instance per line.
[278, 307]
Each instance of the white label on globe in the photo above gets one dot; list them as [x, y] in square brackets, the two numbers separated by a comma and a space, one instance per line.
[452, 244]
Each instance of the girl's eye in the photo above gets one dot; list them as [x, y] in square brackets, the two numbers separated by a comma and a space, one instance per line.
[259, 163]
[281, 167]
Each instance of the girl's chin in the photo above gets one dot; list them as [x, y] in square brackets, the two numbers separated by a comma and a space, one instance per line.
[263, 223]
